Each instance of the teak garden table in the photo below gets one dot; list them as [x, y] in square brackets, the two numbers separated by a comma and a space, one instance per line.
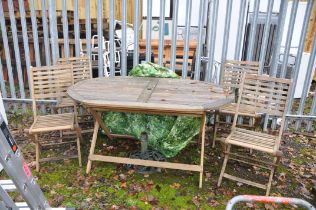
[150, 96]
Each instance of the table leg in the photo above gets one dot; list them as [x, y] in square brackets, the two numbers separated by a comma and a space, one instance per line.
[93, 142]
[203, 123]
[98, 118]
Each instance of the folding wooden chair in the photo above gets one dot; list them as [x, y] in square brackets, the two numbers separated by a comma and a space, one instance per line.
[259, 94]
[51, 82]
[230, 81]
[81, 70]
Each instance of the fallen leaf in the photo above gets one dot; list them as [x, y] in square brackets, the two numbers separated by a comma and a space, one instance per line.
[114, 207]
[313, 170]
[211, 202]
[282, 177]
[124, 185]
[196, 201]
[99, 194]
[305, 192]
[175, 185]
[239, 184]
[58, 200]
[66, 161]
[270, 206]
[122, 177]
[250, 205]
[131, 171]
[152, 200]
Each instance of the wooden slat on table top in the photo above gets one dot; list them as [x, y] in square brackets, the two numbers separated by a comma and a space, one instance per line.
[151, 94]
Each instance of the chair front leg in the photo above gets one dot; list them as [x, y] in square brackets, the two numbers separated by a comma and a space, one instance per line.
[224, 165]
[37, 152]
[276, 161]
[78, 133]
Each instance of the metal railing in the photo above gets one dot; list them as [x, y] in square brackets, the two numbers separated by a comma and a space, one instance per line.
[216, 17]
[268, 199]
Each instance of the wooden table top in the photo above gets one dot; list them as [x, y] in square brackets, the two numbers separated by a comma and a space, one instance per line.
[149, 95]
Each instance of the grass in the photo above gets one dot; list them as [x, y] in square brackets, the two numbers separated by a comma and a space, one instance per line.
[113, 186]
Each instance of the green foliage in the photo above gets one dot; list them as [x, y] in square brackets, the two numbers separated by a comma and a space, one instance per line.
[149, 69]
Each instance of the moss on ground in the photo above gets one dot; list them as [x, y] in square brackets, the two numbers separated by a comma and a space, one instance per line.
[113, 186]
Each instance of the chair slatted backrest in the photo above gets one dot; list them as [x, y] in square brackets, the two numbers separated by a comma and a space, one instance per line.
[233, 72]
[50, 82]
[81, 67]
[265, 95]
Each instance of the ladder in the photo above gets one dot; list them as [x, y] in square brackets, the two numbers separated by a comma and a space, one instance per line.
[22, 179]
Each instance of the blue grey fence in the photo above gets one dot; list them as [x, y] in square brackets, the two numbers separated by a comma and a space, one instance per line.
[261, 30]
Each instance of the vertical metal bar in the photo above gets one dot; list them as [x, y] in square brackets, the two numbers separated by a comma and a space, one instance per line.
[253, 30]
[201, 41]
[259, 36]
[276, 48]
[265, 37]
[16, 51]
[35, 34]
[53, 30]
[7, 51]
[273, 123]
[25, 43]
[136, 32]
[209, 66]
[46, 38]
[76, 28]
[209, 17]
[161, 32]
[241, 21]
[124, 48]
[148, 30]
[100, 38]
[174, 34]
[263, 50]
[226, 36]
[45, 30]
[2, 83]
[112, 43]
[65, 28]
[300, 51]
[186, 38]
[88, 28]
[289, 38]
[278, 39]
[307, 82]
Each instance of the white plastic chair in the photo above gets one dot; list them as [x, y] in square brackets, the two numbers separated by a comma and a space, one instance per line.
[94, 53]
[117, 56]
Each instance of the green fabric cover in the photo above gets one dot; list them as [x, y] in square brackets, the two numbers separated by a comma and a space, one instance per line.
[167, 134]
